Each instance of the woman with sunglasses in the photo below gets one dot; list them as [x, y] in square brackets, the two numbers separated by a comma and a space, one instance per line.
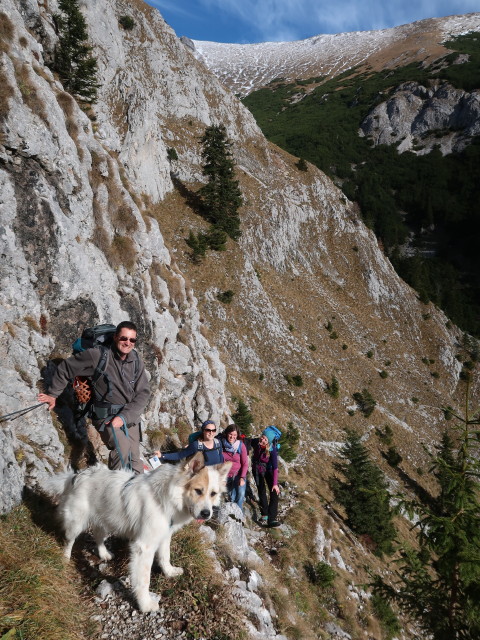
[206, 442]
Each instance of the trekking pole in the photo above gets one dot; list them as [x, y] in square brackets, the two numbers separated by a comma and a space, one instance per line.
[20, 412]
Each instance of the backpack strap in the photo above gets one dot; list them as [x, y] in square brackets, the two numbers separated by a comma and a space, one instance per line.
[100, 370]
[216, 445]
[136, 368]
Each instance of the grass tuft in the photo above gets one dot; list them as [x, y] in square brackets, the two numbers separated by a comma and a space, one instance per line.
[200, 591]
[38, 596]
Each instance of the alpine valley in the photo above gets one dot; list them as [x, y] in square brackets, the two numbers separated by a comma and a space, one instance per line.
[305, 310]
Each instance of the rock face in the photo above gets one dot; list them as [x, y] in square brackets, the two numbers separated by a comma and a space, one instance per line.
[418, 118]
[77, 249]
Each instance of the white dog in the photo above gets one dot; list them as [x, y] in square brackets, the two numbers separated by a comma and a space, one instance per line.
[145, 509]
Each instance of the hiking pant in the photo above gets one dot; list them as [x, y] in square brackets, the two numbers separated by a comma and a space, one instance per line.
[126, 448]
[268, 506]
[235, 491]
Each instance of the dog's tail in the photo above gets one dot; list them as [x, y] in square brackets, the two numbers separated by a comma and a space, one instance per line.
[56, 485]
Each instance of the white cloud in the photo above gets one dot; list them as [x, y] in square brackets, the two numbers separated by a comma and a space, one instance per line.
[174, 7]
[291, 19]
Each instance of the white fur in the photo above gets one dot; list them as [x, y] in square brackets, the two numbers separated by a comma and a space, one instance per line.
[145, 509]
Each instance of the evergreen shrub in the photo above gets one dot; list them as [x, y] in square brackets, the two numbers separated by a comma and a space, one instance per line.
[333, 388]
[437, 583]
[295, 380]
[302, 165]
[320, 574]
[172, 154]
[386, 616]
[365, 402]
[393, 457]
[226, 296]
[243, 418]
[127, 22]
[289, 442]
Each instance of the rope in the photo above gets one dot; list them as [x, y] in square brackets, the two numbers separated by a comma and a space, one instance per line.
[127, 465]
[20, 412]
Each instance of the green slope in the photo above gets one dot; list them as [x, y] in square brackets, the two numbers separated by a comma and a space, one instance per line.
[398, 193]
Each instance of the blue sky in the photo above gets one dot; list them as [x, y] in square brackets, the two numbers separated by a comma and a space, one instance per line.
[247, 21]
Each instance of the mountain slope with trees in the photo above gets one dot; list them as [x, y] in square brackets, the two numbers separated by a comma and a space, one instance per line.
[421, 203]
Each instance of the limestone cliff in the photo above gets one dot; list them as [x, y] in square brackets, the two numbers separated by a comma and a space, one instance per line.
[418, 118]
[77, 248]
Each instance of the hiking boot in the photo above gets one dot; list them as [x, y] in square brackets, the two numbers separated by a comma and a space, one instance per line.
[263, 521]
[274, 523]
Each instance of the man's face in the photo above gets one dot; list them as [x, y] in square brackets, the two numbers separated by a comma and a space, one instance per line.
[123, 341]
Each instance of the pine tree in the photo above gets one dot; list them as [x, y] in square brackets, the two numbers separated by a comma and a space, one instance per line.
[73, 60]
[221, 196]
[439, 583]
[364, 496]
[198, 243]
[243, 418]
[288, 442]
[365, 402]
[333, 388]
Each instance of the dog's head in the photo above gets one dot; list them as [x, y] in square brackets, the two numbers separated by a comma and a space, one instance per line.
[204, 486]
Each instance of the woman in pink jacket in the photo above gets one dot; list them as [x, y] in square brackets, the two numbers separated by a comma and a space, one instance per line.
[234, 450]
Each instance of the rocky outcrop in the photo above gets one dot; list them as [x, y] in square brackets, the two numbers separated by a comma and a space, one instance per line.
[417, 118]
[78, 248]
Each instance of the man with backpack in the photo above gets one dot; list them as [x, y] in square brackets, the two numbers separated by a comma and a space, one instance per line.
[120, 392]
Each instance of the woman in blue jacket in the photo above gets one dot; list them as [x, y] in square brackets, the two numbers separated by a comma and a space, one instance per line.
[206, 442]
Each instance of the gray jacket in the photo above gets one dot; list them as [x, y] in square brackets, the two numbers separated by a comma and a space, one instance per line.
[124, 389]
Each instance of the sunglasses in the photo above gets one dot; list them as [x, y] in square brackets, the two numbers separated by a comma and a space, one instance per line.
[210, 430]
[125, 339]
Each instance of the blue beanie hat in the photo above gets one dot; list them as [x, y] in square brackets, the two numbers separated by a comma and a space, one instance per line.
[206, 423]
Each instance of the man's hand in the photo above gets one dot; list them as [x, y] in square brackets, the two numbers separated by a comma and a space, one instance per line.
[276, 488]
[50, 400]
[116, 423]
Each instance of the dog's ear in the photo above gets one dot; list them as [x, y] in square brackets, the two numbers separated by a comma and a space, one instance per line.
[223, 470]
[195, 464]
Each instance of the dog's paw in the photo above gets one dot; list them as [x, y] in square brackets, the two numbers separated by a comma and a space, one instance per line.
[105, 555]
[173, 572]
[150, 604]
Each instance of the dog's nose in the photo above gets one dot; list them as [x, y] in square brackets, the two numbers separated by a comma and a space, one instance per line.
[205, 514]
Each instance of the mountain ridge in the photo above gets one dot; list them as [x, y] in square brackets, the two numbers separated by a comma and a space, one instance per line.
[244, 68]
